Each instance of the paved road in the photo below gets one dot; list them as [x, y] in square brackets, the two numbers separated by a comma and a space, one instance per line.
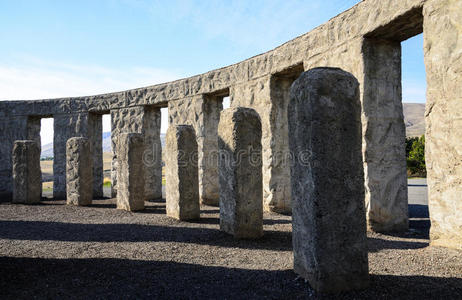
[417, 191]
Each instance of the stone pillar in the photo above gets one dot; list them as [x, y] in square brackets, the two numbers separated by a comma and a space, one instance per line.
[268, 95]
[33, 130]
[277, 183]
[95, 136]
[208, 156]
[328, 214]
[27, 177]
[203, 113]
[146, 121]
[11, 130]
[79, 171]
[65, 127]
[240, 171]
[153, 155]
[130, 171]
[182, 183]
[384, 135]
[443, 148]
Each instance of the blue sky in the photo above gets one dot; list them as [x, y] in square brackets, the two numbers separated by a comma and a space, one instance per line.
[73, 48]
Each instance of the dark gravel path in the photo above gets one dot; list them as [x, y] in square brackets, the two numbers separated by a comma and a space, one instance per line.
[57, 251]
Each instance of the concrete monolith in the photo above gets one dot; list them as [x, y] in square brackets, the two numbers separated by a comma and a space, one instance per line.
[27, 177]
[182, 182]
[328, 213]
[240, 173]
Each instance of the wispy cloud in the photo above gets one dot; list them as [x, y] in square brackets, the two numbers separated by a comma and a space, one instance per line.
[39, 79]
[259, 22]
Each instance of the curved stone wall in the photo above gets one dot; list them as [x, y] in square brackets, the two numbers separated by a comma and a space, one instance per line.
[364, 40]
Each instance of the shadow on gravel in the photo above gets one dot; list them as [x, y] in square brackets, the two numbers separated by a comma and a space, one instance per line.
[419, 223]
[73, 232]
[375, 244]
[128, 279]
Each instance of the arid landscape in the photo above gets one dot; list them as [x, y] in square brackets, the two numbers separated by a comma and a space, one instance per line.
[414, 119]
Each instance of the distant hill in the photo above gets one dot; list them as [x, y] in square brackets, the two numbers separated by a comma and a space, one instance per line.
[47, 150]
[414, 119]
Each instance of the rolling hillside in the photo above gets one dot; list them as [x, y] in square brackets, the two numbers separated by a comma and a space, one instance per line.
[414, 119]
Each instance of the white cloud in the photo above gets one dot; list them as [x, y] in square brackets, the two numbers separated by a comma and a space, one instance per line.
[38, 79]
[41, 79]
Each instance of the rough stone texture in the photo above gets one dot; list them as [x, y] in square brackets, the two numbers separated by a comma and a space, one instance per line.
[11, 129]
[65, 127]
[27, 177]
[130, 171]
[261, 83]
[208, 181]
[181, 175]
[95, 134]
[384, 135]
[443, 153]
[257, 95]
[203, 113]
[79, 171]
[146, 121]
[328, 213]
[240, 172]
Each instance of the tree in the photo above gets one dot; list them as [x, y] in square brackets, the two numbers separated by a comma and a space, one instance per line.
[416, 157]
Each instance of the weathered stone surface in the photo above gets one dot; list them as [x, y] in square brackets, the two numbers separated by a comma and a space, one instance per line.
[337, 43]
[130, 171]
[27, 177]
[240, 171]
[65, 127]
[79, 171]
[257, 95]
[363, 43]
[146, 121]
[181, 175]
[203, 113]
[95, 135]
[384, 135]
[328, 214]
[11, 130]
[443, 148]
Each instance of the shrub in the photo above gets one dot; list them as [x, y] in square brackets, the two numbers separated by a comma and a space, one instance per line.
[416, 157]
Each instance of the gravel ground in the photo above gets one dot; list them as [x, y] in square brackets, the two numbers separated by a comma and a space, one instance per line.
[56, 251]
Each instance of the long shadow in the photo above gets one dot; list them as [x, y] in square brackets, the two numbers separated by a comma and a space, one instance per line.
[273, 222]
[129, 279]
[73, 232]
[213, 211]
[375, 245]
